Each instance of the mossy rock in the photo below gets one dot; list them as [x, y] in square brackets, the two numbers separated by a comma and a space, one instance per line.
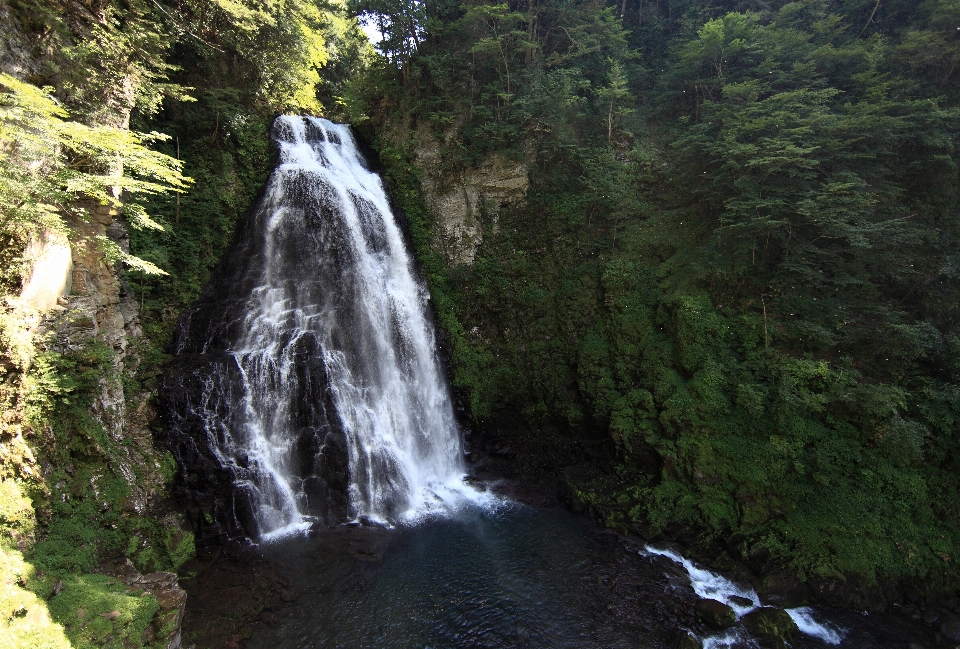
[686, 640]
[17, 520]
[771, 626]
[100, 611]
[716, 614]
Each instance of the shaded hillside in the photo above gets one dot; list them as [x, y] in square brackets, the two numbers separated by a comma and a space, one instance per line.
[736, 259]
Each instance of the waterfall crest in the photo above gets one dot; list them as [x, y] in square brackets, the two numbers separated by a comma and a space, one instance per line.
[308, 378]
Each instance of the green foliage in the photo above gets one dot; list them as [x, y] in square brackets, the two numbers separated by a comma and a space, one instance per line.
[49, 162]
[17, 521]
[85, 509]
[737, 263]
[100, 611]
[25, 621]
[274, 50]
[226, 147]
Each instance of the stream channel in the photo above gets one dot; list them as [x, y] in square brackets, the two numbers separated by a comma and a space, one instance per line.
[514, 576]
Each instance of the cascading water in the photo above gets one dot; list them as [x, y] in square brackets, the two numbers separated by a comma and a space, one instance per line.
[308, 376]
[742, 600]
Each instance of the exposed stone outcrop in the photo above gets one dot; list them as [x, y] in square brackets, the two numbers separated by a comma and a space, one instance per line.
[165, 627]
[15, 47]
[716, 614]
[773, 627]
[73, 300]
[466, 203]
[51, 270]
[102, 310]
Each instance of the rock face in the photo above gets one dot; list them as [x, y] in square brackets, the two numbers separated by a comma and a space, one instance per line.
[102, 310]
[165, 627]
[466, 203]
[716, 614]
[771, 626]
[950, 626]
[784, 590]
[15, 48]
[51, 276]
[204, 393]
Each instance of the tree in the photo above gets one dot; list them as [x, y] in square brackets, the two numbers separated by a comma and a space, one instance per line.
[50, 162]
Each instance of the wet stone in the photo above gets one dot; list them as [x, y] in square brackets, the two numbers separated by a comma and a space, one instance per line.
[686, 640]
[950, 627]
[771, 626]
[741, 601]
[716, 614]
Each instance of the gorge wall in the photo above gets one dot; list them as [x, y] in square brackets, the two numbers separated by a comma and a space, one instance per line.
[464, 203]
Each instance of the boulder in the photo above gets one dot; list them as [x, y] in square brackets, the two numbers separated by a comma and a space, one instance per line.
[686, 640]
[772, 627]
[716, 614]
[784, 590]
[164, 629]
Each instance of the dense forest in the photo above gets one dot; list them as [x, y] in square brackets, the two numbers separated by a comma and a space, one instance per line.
[737, 260]
[736, 265]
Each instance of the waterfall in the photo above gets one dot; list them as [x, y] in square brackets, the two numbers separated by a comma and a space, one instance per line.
[314, 349]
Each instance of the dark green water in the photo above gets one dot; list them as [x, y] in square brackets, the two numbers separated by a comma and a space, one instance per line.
[517, 577]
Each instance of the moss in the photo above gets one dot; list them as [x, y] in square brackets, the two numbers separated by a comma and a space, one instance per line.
[100, 611]
[183, 550]
[17, 519]
[25, 621]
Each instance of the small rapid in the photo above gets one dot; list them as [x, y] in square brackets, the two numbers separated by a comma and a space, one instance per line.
[743, 600]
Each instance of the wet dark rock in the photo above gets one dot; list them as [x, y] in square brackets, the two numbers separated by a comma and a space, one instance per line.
[771, 626]
[741, 601]
[534, 495]
[716, 614]
[203, 384]
[501, 451]
[950, 627]
[931, 616]
[686, 640]
[784, 590]
[852, 592]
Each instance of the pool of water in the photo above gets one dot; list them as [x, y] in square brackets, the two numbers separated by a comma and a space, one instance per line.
[508, 577]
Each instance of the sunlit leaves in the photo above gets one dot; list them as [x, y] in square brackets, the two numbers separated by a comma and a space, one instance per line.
[49, 163]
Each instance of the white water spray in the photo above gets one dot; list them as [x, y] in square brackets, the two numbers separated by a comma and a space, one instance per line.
[807, 623]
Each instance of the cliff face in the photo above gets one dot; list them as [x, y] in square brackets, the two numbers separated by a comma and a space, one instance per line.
[73, 301]
[81, 478]
[465, 203]
[99, 307]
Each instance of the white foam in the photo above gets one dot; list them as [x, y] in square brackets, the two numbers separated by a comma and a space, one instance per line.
[727, 640]
[803, 616]
[447, 499]
[299, 528]
[710, 585]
